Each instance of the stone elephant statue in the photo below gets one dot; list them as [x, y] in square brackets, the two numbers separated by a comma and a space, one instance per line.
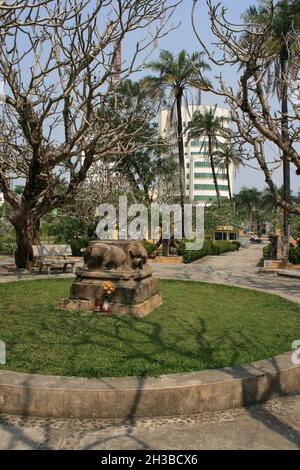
[138, 255]
[103, 256]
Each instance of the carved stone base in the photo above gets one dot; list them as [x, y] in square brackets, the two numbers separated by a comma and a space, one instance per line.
[138, 310]
[124, 264]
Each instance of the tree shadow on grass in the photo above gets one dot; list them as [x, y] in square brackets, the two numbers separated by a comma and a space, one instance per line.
[154, 333]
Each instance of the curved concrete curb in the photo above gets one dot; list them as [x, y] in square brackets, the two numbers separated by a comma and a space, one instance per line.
[129, 397]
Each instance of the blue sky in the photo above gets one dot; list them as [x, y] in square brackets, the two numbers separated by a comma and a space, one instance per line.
[184, 38]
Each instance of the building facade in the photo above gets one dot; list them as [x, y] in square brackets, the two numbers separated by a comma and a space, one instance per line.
[198, 172]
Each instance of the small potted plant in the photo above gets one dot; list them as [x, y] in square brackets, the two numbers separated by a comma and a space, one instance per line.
[108, 290]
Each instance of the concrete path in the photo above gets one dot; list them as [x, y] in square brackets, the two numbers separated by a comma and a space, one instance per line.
[273, 425]
[240, 268]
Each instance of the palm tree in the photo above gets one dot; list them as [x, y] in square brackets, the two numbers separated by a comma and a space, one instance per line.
[248, 198]
[228, 155]
[207, 124]
[270, 202]
[177, 74]
[280, 47]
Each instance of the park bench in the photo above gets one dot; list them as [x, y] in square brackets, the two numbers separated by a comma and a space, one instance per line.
[53, 256]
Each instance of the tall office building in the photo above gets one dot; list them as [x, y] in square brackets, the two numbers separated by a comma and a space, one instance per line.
[198, 172]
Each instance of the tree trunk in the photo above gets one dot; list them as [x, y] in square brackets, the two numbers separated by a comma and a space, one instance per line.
[212, 164]
[165, 247]
[181, 157]
[228, 181]
[285, 137]
[27, 234]
[250, 213]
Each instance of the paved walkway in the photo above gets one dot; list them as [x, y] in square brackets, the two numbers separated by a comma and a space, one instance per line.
[273, 425]
[240, 268]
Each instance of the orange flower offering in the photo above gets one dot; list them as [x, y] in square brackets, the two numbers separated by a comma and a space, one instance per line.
[108, 288]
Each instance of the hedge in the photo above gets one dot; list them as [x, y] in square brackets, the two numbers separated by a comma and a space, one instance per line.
[208, 248]
[237, 243]
[149, 247]
[294, 256]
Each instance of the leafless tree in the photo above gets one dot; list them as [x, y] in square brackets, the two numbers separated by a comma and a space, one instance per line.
[58, 64]
[254, 108]
[21, 13]
[102, 185]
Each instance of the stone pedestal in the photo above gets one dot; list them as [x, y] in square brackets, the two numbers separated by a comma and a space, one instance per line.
[124, 264]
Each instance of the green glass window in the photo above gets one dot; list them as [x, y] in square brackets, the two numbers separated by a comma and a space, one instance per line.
[198, 143]
[211, 186]
[208, 198]
[210, 175]
[207, 165]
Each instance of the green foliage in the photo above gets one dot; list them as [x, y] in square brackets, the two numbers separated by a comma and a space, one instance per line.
[209, 248]
[223, 246]
[69, 229]
[177, 73]
[295, 226]
[237, 244]
[150, 247]
[78, 244]
[219, 215]
[181, 250]
[267, 252]
[5, 210]
[294, 256]
[7, 244]
[146, 165]
[19, 189]
[192, 255]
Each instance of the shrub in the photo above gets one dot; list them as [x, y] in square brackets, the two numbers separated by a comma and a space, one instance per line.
[149, 247]
[78, 244]
[208, 248]
[7, 245]
[223, 246]
[294, 256]
[216, 249]
[267, 252]
[237, 244]
[193, 255]
[69, 229]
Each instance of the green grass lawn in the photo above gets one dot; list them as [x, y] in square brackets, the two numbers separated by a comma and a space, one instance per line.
[200, 326]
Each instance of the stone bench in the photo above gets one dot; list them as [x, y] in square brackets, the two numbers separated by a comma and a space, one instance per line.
[53, 256]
